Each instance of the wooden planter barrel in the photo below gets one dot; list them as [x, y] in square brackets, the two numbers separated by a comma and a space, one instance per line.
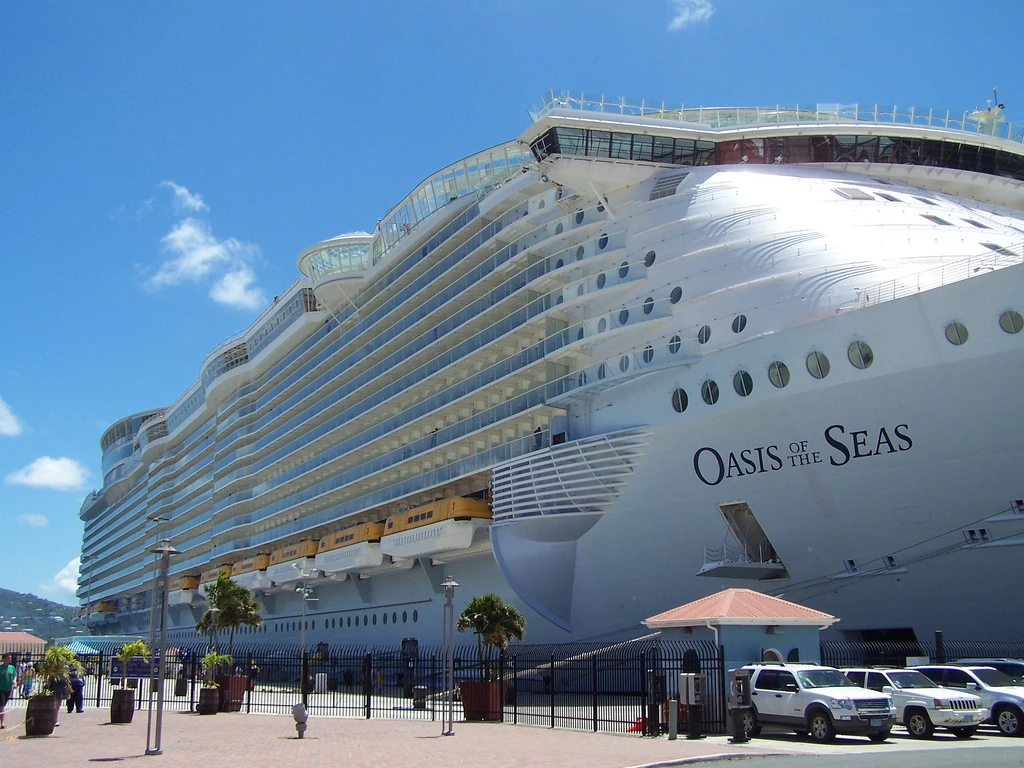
[41, 715]
[122, 705]
[209, 698]
[232, 691]
[481, 700]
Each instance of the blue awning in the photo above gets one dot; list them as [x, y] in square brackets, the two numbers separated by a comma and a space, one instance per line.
[81, 649]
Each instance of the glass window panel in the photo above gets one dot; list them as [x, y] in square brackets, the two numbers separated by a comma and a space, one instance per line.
[598, 143]
[622, 145]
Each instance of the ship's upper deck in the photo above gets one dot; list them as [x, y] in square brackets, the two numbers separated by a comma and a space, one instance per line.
[988, 121]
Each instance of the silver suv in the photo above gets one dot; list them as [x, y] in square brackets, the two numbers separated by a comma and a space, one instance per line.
[818, 700]
[999, 693]
[920, 705]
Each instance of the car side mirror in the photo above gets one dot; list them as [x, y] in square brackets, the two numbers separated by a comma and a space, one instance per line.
[887, 689]
[791, 687]
[972, 686]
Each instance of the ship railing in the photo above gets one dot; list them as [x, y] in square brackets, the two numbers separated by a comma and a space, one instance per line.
[946, 274]
[970, 121]
[736, 554]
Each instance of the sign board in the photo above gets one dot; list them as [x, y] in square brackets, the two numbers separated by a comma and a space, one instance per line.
[137, 667]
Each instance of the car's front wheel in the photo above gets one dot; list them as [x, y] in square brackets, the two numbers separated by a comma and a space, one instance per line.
[819, 723]
[751, 726]
[1009, 720]
[919, 725]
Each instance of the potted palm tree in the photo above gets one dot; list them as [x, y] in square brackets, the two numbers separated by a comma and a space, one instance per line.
[495, 623]
[209, 694]
[41, 712]
[229, 606]
[122, 701]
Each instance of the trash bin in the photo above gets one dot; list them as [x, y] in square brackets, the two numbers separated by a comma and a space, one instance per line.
[419, 697]
[181, 684]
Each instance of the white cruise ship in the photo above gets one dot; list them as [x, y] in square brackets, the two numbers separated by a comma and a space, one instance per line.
[638, 354]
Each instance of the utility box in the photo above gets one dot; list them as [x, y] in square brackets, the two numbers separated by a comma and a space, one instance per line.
[693, 688]
[739, 689]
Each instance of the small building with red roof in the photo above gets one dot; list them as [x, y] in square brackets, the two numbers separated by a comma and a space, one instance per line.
[748, 625]
[21, 643]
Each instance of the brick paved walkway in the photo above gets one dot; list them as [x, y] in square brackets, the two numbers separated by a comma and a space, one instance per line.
[238, 740]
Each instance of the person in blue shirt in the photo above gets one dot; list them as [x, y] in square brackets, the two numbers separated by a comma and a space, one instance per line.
[75, 698]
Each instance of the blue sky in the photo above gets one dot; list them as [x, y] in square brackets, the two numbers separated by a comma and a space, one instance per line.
[162, 164]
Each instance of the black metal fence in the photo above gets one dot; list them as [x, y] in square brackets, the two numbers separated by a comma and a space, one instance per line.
[620, 688]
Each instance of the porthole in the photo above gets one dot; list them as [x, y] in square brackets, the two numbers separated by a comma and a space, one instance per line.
[624, 363]
[305, 625]
[349, 622]
[956, 333]
[778, 374]
[601, 371]
[674, 344]
[385, 618]
[742, 383]
[366, 620]
[648, 353]
[704, 334]
[680, 400]
[676, 295]
[1011, 321]
[415, 616]
[602, 241]
[648, 305]
[623, 269]
[602, 325]
[375, 615]
[394, 617]
[583, 378]
[559, 264]
[860, 355]
[579, 289]
[579, 217]
[649, 259]
[332, 623]
[739, 323]
[579, 253]
[709, 392]
[405, 617]
[623, 317]
[818, 365]
[559, 228]
[601, 280]
[559, 299]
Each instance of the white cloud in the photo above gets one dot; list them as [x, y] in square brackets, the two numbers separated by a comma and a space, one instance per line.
[64, 584]
[185, 201]
[196, 253]
[687, 12]
[237, 289]
[61, 474]
[35, 520]
[10, 425]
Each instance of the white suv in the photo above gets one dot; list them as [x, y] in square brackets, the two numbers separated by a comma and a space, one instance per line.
[920, 705]
[818, 700]
[1003, 697]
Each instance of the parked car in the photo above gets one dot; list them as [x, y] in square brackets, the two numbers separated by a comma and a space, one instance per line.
[818, 700]
[1003, 698]
[1012, 667]
[920, 705]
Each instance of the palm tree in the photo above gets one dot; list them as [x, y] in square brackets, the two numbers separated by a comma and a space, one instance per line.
[495, 623]
[236, 608]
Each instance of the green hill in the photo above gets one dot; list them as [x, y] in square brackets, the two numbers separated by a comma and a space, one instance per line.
[35, 615]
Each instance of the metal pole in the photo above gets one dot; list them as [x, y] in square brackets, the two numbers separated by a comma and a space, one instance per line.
[157, 669]
[152, 665]
[448, 635]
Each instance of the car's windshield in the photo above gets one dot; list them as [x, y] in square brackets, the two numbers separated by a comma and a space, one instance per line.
[824, 678]
[910, 679]
[993, 677]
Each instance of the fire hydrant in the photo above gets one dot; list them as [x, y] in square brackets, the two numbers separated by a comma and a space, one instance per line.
[300, 716]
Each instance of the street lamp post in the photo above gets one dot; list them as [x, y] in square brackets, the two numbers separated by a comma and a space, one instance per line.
[156, 519]
[448, 650]
[164, 550]
[305, 592]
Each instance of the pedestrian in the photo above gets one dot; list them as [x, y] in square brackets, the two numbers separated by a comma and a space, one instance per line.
[75, 698]
[254, 672]
[27, 679]
[8, 674]
[58, 688]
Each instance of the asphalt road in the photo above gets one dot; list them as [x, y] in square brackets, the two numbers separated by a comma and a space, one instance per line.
[993, 757]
